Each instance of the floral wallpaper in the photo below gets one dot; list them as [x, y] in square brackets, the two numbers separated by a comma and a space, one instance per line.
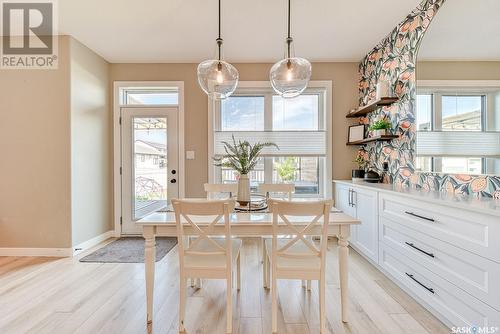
[393, 60]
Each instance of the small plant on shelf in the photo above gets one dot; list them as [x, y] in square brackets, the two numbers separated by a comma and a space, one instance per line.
[362, 162]
[380, 127]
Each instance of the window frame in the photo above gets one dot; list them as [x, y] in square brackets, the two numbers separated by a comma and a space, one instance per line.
[260, 88]
[439, 88]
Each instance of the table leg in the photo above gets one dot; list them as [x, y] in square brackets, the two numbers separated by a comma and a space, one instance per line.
[343, 251]
[149, 265]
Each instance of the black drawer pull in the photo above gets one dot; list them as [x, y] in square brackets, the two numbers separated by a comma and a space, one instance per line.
[422, 285]
[420, 250]
[418, 216]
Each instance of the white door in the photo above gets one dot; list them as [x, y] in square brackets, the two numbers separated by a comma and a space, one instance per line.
[149, 161]
[366, 234]
[344, 198]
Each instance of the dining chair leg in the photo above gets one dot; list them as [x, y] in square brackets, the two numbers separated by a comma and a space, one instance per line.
[238, 272]
[322, 318]
[182, 303]
[274, 297]
[229, 303]
[308, 285]
[191, 282]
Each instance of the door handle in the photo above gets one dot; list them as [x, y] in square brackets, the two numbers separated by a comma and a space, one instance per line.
[350, 198]
[173, 181]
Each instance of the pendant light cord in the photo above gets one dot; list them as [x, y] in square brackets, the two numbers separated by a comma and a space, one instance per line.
[289, 38]
[219, 39]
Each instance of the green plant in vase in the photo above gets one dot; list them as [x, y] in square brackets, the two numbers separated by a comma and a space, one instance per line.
[362, 162]
[242, 157]
[380, 127]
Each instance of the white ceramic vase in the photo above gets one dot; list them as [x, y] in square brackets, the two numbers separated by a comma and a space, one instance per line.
[381, 132]
[243, 189]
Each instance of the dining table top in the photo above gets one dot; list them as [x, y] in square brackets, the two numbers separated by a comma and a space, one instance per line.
[336, 217]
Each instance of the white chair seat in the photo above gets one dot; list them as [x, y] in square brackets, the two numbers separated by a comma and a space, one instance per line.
[215, 261]
[294, 261]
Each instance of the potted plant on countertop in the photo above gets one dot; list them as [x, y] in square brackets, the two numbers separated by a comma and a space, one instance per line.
[242, 157]
[362, 161]
[380, 127]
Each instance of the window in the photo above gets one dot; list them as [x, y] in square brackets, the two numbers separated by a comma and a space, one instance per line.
[462, 112]
[297, 126]
[149, 96]
[242, 113]
[424, 112]
[455, 130]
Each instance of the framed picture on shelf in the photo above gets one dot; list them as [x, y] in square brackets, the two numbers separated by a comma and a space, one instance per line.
[356, 133]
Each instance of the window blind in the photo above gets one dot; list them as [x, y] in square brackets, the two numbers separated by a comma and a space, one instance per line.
[458, 143]
[291, 143]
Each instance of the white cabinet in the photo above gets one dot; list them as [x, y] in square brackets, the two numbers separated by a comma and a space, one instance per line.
[444, 252]
[365, 202]
[361, 204]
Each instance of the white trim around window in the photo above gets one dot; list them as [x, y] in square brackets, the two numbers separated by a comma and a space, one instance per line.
[255, 87]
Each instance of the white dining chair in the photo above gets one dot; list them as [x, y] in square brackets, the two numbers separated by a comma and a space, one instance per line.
[207, 255]
[216, 190]
[270, 189]
[277, 188]
[298, 257]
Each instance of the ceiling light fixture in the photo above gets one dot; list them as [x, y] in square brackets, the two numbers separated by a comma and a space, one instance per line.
[289, 77]
[217, 78]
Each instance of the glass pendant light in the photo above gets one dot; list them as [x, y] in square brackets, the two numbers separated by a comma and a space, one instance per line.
[290, 76]
[216, 77]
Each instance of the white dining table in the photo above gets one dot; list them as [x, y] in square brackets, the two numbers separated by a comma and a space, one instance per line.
[244, 224]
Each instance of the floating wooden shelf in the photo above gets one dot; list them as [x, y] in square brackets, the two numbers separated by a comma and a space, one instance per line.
[361, 111]
[372, 139]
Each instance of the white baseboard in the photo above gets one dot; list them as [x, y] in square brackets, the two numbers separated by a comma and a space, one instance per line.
[41, 252]
[92, 242]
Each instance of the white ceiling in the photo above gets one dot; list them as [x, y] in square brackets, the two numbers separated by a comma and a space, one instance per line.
[185, 30]
[464, 30]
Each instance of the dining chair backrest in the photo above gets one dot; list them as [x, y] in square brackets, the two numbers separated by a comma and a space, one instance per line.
[284, 188]
[190, 214]
[220, 188]
[311, 213]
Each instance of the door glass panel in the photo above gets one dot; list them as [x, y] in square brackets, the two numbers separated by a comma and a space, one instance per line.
[150, 165]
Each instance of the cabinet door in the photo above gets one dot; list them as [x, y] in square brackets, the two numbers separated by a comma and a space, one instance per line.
[365, 202]
[343, 202]
[342, 199]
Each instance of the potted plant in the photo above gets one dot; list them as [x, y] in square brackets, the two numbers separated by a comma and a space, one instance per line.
[380, 127]
[242, 157]
[362, 161]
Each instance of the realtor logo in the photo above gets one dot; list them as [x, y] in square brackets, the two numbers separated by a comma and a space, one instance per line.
[29, 39]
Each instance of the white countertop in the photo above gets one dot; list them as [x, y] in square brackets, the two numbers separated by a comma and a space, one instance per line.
[481, 205]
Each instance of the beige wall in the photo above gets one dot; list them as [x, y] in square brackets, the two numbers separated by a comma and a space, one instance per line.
[91, 154]
[35, 181]
[344, 77]
[458, 70]
[55, 148]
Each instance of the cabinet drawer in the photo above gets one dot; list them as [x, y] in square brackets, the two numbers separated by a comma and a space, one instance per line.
[474, 274]
[454, 304]
[469, 230]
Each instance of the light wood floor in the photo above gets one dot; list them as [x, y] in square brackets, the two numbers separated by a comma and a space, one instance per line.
[43, 295]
